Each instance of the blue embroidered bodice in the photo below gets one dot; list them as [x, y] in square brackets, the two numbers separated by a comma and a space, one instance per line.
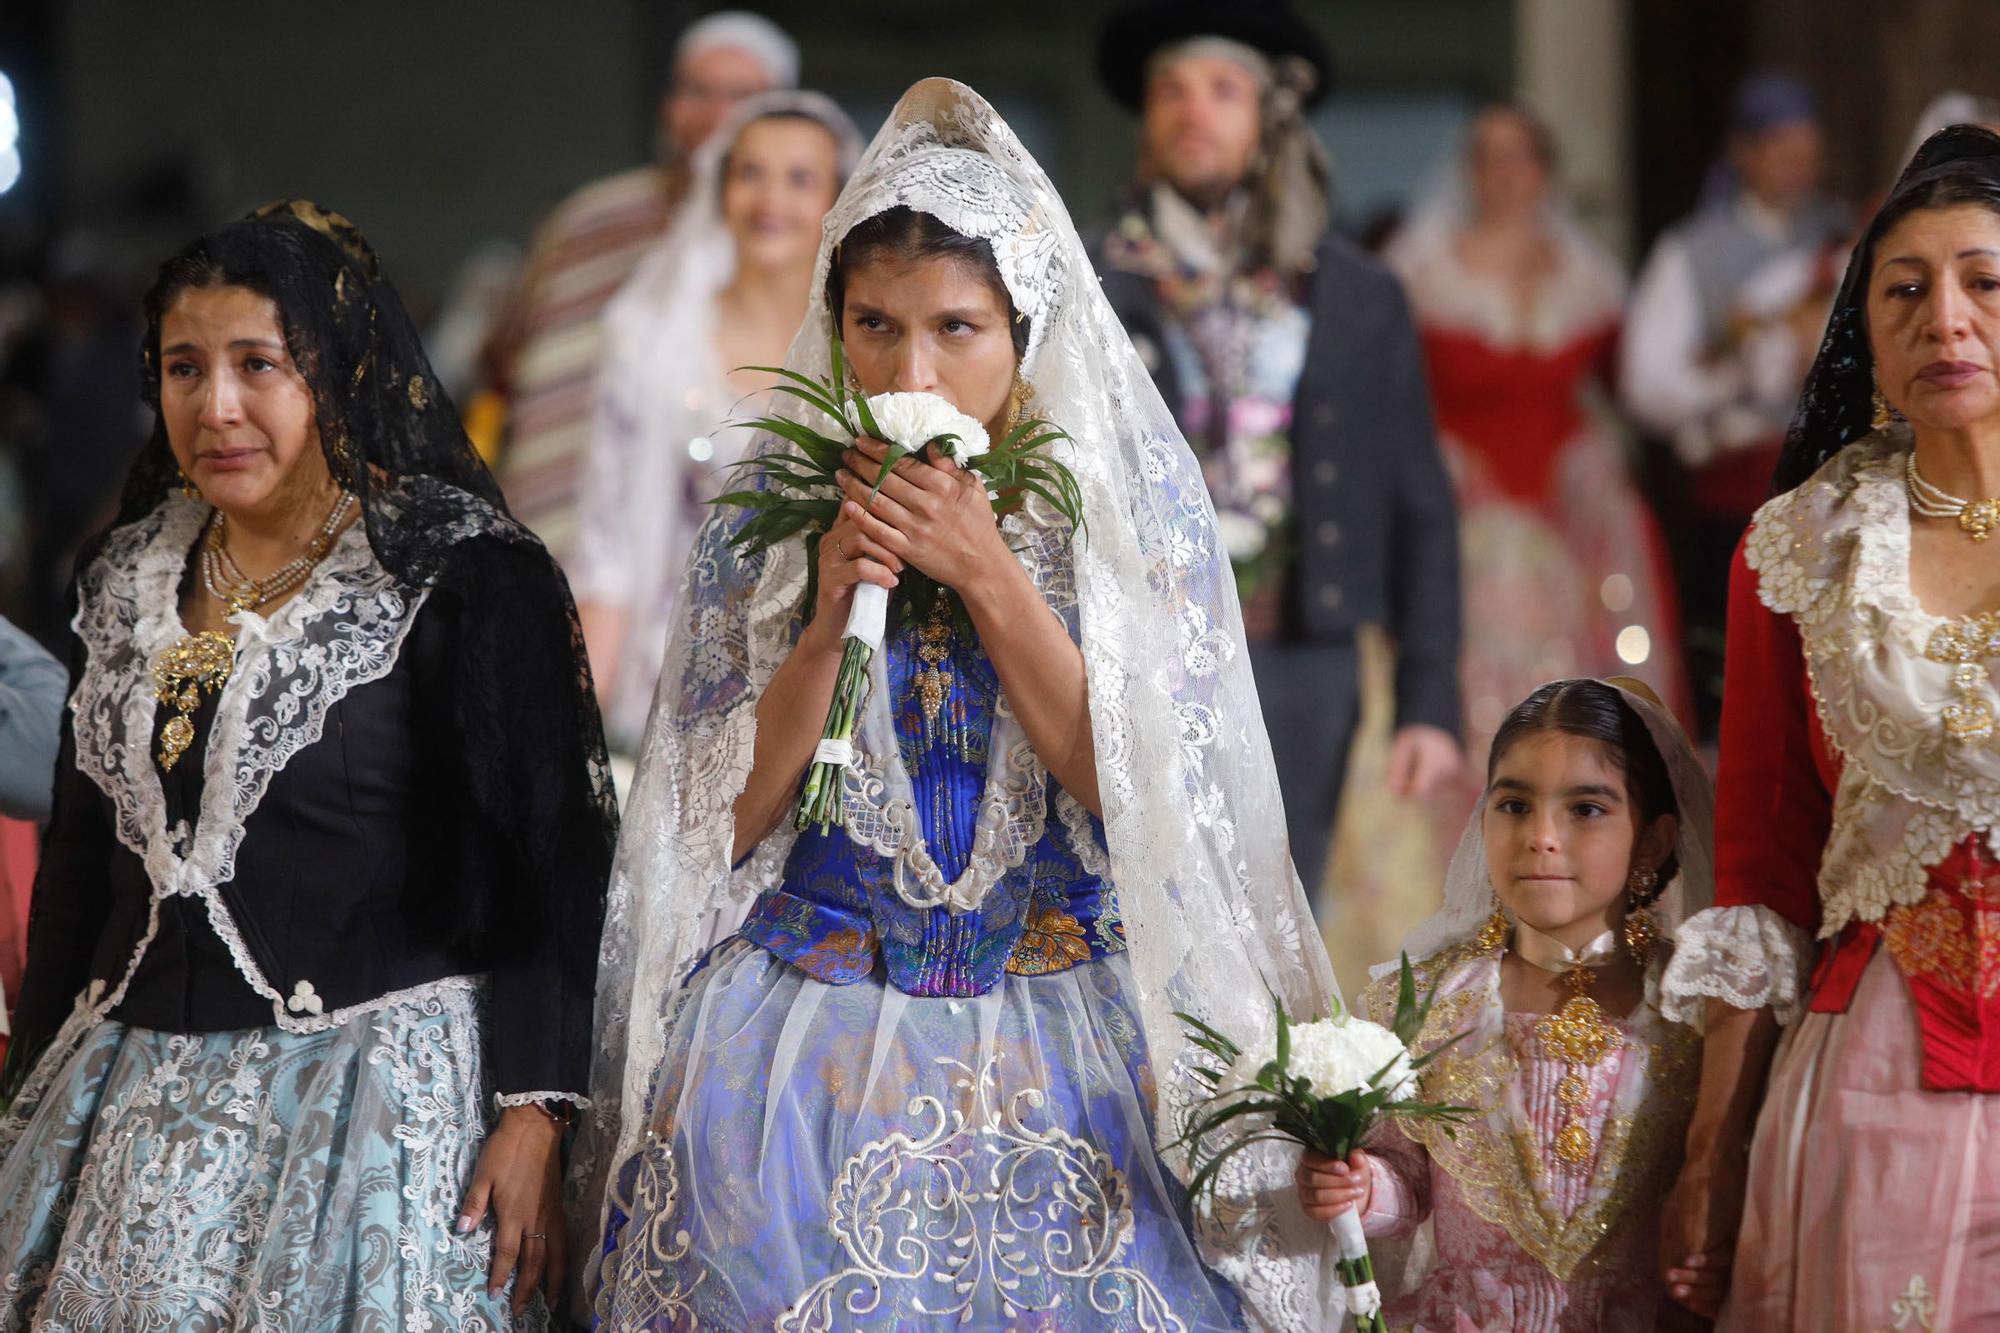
[836, 911]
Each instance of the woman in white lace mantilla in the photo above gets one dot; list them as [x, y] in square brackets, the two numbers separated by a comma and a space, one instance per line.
[1858, 880]
[929, 1081]
[312, 954]
[723, 291]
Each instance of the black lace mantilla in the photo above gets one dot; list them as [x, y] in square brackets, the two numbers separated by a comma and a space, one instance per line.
[1836, 407]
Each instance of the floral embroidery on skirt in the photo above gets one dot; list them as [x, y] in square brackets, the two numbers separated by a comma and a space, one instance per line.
[255, 1179]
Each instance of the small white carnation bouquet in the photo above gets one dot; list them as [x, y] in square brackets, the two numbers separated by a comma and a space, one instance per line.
[1322, 1085]
[797, 490]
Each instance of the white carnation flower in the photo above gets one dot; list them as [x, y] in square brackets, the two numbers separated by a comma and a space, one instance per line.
[1343, 1054]
[1337, 1055]
[912, 420]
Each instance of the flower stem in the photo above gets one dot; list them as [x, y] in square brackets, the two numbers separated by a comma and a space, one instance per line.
[820, 802]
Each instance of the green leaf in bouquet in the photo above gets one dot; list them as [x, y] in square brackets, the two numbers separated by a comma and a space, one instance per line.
[824, 453]
[837, 353]
[812, 574]
[1408, 1021]
[805, 387]
[866, 419]
[818, 402]
[895, 454]
[1204, 1178]
[1209, 1039]
[786, 471]
[756, 499]
[771, 526]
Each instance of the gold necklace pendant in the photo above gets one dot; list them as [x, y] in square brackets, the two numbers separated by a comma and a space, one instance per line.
[199, 664]
[1979, 519]
[934, 650]
[1580, 1036]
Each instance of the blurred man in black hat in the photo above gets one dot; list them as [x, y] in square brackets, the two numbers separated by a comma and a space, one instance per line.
[1291, 362]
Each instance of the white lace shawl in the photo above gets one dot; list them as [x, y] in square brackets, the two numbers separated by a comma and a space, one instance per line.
[342, 629]
[1192, 811]
[1835, 556]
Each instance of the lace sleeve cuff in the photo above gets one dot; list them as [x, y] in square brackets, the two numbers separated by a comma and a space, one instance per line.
[503, 1100]
[1749, 957]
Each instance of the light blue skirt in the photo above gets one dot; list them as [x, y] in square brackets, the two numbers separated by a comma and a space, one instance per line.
[253, 1180]
[850, 1157]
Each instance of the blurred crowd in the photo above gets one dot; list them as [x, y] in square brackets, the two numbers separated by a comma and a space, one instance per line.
[1484, 457]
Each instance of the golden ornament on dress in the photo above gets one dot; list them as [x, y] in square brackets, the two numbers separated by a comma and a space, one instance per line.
[933, 650]
[1964, 645]
[199, 664]
[1578, 1035]
[1492, 935]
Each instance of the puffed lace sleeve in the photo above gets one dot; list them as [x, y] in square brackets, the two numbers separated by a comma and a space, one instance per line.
[1773, 811]
[1746, 956]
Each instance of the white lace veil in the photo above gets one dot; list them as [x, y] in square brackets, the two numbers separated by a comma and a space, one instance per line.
[1468, 895]
[1212, 907]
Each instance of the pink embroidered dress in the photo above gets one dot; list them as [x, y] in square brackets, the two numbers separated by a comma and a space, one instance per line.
[1522, 1239]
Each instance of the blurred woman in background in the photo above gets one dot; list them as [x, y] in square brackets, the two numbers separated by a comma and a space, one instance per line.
[724, 292]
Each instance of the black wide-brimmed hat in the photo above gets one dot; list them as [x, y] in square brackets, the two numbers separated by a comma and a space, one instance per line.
[1135, 33]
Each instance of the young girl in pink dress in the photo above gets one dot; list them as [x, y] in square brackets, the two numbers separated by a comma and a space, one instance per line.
[1591, 842]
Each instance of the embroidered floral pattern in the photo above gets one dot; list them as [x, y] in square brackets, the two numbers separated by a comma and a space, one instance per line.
[255, 1180]
[1036, 1214]
[1052, 941]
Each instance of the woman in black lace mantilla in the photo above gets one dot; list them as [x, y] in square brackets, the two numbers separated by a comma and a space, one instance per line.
[313, 946]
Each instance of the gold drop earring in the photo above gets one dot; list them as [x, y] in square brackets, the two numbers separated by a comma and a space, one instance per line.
[1018, 399]
[1642, 929]
[1493, 935]
[188, 488]
[1881, 415]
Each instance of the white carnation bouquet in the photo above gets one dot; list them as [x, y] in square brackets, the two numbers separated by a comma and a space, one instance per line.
[793, 493]
[1322, 1085]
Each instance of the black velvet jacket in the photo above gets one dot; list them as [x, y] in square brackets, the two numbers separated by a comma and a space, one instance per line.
[428, 812]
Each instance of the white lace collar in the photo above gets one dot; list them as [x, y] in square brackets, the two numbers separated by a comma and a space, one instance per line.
[343, 628]
[1835, 556]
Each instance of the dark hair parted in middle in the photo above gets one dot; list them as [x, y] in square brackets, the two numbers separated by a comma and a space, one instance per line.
[1595, 711]
[902, 235]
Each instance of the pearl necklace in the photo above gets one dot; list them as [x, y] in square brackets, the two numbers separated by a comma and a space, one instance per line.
[227, 582]
[1976, 518]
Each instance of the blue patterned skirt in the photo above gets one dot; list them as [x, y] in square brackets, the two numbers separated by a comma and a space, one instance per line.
[253, 1180]
[851, 1157]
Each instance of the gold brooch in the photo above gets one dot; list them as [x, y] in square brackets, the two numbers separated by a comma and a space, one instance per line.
[197, 665]
[1964, 645]
[934, 650]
